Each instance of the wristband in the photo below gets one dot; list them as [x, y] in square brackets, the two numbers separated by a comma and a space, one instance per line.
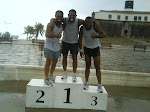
[81, 50]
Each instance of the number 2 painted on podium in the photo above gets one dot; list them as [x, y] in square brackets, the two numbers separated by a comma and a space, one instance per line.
[38, 101]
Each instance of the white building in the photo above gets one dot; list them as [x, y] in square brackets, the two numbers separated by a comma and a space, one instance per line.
[123, 15]
[128, 16]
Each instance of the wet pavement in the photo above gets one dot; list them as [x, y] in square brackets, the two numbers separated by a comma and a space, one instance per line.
[118, 58]
[120, 99]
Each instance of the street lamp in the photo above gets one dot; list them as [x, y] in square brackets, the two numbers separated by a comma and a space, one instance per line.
[6, 26]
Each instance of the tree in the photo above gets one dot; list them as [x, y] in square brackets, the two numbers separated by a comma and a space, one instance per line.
[6, 35]
[39, 28]
[29, 30]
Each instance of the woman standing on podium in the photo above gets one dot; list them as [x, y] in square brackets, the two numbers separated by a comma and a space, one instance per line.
[52, 46]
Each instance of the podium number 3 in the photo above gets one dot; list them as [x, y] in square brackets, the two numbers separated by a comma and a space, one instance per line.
[95, 101]
[38, 100]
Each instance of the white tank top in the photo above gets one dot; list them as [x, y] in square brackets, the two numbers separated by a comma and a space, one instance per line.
[71, 31]
[53, 43]
[89, 42]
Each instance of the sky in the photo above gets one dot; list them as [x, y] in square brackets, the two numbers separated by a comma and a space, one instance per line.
[17, 14]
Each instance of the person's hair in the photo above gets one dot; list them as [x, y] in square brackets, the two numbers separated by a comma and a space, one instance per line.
[58, 12]
[72, 10]
[88, 17]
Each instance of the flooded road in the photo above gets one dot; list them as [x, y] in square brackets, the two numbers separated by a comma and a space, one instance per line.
[120, 99]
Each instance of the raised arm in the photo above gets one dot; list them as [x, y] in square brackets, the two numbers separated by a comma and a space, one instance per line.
[81, 21]
[49, 30]
[98, 29]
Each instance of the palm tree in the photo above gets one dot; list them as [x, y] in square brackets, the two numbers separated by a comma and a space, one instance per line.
[39, 28]
[29, 30]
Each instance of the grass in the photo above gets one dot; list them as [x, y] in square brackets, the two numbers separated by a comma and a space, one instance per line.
[117, 40]
[143, 38]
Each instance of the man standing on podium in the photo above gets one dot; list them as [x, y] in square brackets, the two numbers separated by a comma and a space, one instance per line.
[70, 42]
[52, 46]
[92, 32]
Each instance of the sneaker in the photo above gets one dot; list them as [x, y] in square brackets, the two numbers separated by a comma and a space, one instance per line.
[99, 89]
[51, 79]
[86, 86]
[64, 77]
[74, 79]
[47, 82]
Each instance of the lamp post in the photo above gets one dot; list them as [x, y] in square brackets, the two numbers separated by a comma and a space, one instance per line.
[6, 26]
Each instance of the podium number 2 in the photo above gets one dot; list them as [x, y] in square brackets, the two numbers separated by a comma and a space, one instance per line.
[38, 100]
[68, 95]
[95, 101]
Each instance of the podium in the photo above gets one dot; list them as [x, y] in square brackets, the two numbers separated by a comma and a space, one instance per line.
[39, 95]
[64, 94]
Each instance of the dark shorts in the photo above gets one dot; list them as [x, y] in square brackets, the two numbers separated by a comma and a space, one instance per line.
[73, 48]
[92, 52]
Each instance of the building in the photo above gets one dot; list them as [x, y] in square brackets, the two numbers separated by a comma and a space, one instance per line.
[124, 23]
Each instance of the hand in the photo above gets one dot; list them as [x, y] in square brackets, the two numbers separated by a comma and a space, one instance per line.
[58, 35]
[93, 35]
[82, 54]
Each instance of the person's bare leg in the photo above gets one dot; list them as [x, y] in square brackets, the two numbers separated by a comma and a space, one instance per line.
[64, 62]
[74, 58]
[53, 66]
[46, 68]
[87, 68]
[97, 67]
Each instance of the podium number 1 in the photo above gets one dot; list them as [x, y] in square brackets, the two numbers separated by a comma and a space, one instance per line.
[68, 96]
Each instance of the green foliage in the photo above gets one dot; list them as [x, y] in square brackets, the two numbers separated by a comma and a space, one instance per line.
[39, 28]
[34, 31]
[5, 35]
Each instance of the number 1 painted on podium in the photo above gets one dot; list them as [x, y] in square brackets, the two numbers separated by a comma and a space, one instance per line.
[68, 96]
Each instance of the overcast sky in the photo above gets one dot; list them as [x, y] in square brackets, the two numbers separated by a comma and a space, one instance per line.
[20, 13]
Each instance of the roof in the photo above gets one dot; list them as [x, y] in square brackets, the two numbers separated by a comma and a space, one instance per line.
[129, 12]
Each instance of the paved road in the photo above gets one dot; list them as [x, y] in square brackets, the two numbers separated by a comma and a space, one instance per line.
[119, 57]
[120, 99]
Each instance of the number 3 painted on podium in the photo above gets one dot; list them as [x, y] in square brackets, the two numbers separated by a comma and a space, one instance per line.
[94, 100]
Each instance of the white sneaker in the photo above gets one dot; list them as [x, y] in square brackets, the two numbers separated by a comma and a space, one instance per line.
[64, 76]
[47, 82]
[74, 79]
[51, 79]
[99, 89]
[86, 86]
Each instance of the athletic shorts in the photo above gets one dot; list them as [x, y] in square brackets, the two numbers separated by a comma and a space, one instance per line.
[73, 48]
[92, 52]
[51, 54]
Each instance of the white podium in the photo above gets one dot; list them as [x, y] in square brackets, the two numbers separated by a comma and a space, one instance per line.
[94, 100]
[68, 94]
[39, 95]
[64, 94]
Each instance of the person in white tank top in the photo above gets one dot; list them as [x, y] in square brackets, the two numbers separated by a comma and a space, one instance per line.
[70, 42]
[91, 32]
[52, 47]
